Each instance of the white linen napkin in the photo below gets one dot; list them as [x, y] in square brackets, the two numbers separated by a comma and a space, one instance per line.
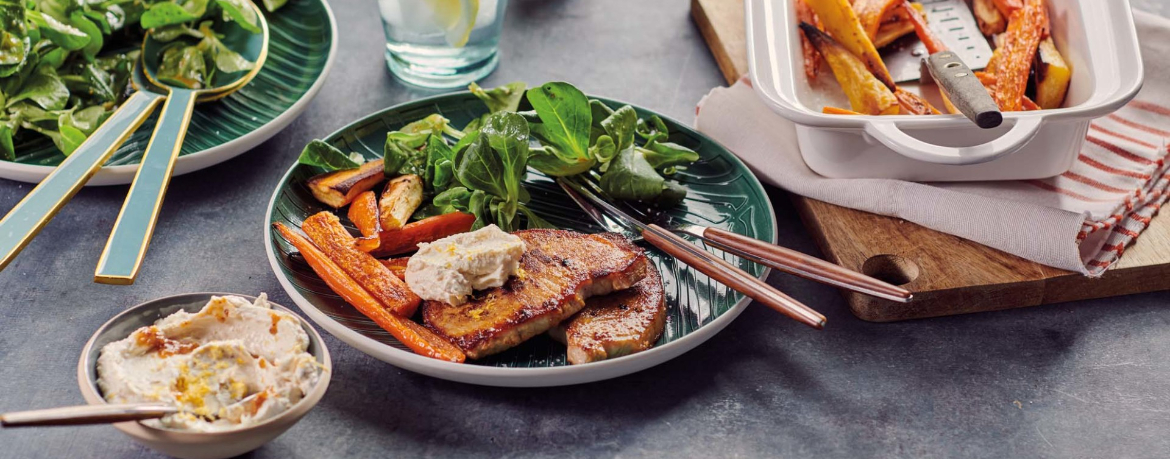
[1080, 221]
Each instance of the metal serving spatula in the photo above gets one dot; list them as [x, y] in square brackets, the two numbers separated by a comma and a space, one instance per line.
[952, 22]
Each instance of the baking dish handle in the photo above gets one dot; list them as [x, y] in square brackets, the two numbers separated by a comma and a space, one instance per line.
[890, 135]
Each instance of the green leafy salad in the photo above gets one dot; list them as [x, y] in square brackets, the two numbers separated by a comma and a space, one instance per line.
[480, 169]
[65, 65]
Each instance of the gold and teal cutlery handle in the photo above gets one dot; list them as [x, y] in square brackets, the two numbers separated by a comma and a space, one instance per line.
[26, 219]
[132, 230]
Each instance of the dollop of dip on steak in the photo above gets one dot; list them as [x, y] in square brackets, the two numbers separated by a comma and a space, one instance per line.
[449, 269]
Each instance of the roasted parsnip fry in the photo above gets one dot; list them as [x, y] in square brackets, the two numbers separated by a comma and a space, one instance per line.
[841, 22]
[363, 212]
[326, 232]
[415, 336]
[407, 238]
[991, 20]
[812, 57]
[838, 111]
[1013, 60]
[866, 94]
[871, 14]
[399, 200]
[891, 31]
[1052, 75]
[339, 188]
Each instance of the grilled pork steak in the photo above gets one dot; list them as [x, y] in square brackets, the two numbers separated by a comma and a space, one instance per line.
[617, 324]
[559, 270]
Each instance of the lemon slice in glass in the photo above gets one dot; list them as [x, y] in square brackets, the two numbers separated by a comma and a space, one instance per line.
[456, 18]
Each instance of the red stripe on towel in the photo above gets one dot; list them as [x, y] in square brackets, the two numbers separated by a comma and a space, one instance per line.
[1119, 151]
[1150, 107]
[1093, 183]
[1138, 126]
[1072, 194]
[1112, 170]
[1122, 136]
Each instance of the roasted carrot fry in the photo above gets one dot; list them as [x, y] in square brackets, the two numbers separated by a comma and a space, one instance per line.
[396, 266]
[841, 22]
[988, 79]
[866, 94]
[363, 212]
[416, 337]
[1013, 60]
[932, 42]
[1028, 105]
[913, 104]
[407, 238]
[326, 232]
[812, 57]
[838, 111]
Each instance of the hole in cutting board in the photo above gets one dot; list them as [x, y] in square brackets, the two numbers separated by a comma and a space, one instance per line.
[894, 269]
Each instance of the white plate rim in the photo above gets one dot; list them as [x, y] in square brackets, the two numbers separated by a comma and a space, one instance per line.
[502, 376]
[124, 174]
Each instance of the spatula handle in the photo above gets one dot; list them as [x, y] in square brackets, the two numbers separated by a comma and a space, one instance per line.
[135, 224]
[963, 89]
[26, 219]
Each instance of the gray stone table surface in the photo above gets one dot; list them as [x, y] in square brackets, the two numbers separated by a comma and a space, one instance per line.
[1088, 379]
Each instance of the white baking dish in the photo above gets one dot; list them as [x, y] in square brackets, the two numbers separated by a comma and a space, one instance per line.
[1096, 37]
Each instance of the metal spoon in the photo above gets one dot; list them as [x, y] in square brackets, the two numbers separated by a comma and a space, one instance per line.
[86, 414]
[122, 256]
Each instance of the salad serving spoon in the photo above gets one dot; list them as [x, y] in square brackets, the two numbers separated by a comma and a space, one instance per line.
[122, 256]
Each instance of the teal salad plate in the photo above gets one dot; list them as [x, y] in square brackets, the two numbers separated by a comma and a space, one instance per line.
[722, 193]
[301, 52]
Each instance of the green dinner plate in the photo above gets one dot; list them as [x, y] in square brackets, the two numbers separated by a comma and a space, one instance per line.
[722, 193]
[302, 43]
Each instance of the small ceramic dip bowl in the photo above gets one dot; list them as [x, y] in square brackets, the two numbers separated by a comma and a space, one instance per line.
[188, 444]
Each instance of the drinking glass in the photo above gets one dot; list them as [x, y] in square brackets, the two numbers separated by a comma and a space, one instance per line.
[425, 40]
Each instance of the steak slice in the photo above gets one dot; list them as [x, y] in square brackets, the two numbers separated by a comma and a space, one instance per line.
[558, 271]
[617, 324]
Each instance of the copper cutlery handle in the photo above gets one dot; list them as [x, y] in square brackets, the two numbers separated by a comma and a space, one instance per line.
[808, 267]
[86, 414]
[731, 276]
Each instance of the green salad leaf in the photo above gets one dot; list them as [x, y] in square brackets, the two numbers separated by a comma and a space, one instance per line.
[45, 88]
[505, 98]
[631, 177]
[321, 154]
[241, 12]
[173, 12]
[60, 33]
[225, 59]
[565, 119]
[183, 66]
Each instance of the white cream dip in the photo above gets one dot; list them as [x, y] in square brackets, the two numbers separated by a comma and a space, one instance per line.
[231, 365]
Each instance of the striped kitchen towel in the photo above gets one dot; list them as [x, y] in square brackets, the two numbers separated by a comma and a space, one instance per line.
[1080, 221]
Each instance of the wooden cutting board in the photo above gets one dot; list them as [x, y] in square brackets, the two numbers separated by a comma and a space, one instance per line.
[948, 275]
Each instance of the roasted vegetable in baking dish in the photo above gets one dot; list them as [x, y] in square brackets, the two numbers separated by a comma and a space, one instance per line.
[1052, 75]
[866, 94]
[847, 34]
